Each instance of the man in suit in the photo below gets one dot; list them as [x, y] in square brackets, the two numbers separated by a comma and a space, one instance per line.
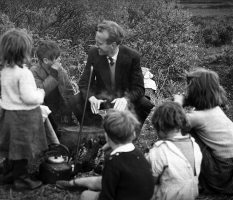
[117, 79]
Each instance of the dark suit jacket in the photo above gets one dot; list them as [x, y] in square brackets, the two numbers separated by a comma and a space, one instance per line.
[128, 76]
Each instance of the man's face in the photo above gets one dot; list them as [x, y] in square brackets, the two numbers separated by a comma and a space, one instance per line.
[101, 43]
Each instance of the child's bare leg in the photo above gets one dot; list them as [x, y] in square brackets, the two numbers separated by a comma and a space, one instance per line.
[89, 195]
[93, 183]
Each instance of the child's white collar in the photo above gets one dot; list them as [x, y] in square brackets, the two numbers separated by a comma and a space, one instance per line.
[124, 148]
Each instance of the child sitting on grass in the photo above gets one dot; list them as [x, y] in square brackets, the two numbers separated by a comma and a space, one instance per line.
[211, 128]
[175, 159]
[126, 174]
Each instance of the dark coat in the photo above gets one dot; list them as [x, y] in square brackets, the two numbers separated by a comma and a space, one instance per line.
[128, 76]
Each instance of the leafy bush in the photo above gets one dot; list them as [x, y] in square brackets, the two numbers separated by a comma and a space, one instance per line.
[160, 30]
[218, 35]
[60, 18]
[165, 38]
[224, 56]
[5, 23]
[214, 31]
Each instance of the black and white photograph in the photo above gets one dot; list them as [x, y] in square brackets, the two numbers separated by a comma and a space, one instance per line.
[116, 99]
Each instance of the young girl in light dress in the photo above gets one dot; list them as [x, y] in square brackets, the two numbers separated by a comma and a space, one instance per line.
[211, 128]
[175, 159]
[22, 130]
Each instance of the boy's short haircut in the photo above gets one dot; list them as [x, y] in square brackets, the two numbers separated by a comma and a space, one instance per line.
[120, 126]
[115, 32]
[48, 49]
[15, 47]
[169, 116]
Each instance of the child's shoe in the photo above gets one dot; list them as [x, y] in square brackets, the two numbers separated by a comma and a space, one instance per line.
[27, 183]
[8, 178]
[7, 175]
[21, 176]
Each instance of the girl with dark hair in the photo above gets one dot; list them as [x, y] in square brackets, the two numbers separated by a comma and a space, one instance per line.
[211, 128]
[175, 159]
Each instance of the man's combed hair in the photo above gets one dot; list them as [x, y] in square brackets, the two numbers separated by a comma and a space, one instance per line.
[15, 47]
[120, 126]
[169, 116]
[48, 49]
[115, 32]
[204, 90]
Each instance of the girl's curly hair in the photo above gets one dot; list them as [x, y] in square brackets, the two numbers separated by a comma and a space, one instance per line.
[169, 116]
[204, 90]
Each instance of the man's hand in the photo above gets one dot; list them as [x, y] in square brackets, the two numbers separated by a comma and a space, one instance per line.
[120, 103]
[95, 104]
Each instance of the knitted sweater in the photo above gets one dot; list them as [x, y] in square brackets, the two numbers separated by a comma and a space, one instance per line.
[215, 129]
[18, 88]
[126, 176]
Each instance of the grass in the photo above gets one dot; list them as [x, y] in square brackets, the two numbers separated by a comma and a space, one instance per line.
[146, 139]
[147, 136]
[44, 193]
[211, 12]
[210, 9]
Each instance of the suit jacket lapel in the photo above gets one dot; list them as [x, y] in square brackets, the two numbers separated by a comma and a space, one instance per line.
[103, 67]
[121, 65]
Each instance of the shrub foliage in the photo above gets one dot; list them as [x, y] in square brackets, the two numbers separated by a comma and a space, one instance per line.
[168, 37]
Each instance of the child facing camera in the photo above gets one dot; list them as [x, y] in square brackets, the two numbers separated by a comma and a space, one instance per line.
[126, 174]
[175, 159]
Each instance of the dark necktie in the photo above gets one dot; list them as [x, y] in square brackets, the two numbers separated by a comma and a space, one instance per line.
[111, 61]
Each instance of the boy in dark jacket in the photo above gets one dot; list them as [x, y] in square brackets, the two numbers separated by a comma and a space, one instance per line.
[126, 174]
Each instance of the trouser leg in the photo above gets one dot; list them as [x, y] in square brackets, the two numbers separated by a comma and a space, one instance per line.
[77, 105]
[142, 109]
[89, 195]
[92, 182]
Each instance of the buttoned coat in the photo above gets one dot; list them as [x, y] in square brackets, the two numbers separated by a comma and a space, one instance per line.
[128, 76]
